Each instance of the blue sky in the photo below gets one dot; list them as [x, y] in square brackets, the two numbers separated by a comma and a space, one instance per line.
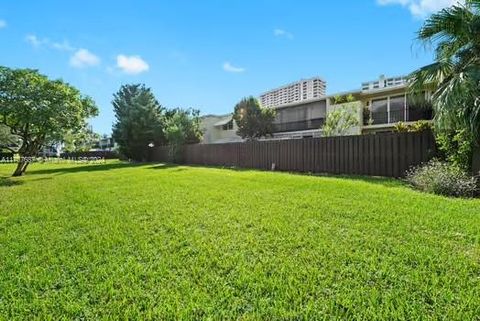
[209, 54]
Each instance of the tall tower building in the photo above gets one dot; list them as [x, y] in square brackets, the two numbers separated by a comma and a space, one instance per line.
[304, 89]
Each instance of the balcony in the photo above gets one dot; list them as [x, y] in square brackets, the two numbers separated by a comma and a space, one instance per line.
[315, 123]
[395, 116]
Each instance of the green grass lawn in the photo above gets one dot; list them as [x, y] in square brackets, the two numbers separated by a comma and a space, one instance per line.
[121, 241]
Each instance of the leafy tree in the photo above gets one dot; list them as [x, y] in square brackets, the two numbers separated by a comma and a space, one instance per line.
[253, 120]
[39, 110]
[80, 141]
[182, 127]
[140, 121]
[454, 77]
[342, 118]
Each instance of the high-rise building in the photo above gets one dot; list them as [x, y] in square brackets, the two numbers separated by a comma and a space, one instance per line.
[304, 89]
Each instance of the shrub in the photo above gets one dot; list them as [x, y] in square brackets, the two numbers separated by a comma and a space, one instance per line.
[443, 179]
[401, 127]
[421, 125]
[456, 147]
[418, 126]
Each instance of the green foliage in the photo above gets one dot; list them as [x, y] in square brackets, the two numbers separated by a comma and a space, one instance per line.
[253, 120]
[39, 110]
[143, 123]
[80, 141]
[401, 127]
[421, 125]
[338, 99]
[341, 119]
[455, 76]
[443, 179]
[139, 242]
[182, 127]
[456, 147]
[418, 126]
[8, 141]
[140, 121]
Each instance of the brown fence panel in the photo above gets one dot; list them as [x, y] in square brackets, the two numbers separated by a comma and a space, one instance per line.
[387, 155]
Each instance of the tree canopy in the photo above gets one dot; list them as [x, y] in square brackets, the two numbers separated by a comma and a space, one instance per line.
[39, 110]
[182, 127]
[140, 121]
[80, 141]
[253, 120]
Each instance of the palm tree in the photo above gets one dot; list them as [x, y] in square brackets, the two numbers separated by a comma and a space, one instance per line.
[455, 76]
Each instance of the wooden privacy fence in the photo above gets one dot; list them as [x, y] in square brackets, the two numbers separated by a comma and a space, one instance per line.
[387, 155]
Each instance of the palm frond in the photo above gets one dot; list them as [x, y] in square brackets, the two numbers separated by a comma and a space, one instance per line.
[430, 76]
[473, 4]
[450, 23]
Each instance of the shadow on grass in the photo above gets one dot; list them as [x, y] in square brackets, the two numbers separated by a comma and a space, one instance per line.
[377, 180]
[169, 166]
[83, 168]
[7, 182]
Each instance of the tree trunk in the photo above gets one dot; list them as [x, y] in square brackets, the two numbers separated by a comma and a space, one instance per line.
[24, 168]
[24, 161]
[21, 166]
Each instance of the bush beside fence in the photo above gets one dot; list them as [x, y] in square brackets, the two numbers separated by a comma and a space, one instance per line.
[389, 155]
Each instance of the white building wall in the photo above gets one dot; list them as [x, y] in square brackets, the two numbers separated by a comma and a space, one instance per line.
[295, 92]
[216, 134]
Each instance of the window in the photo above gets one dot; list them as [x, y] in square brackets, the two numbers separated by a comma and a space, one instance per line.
[379, 105]
[228, 126]
[397, 109]
[379, 110]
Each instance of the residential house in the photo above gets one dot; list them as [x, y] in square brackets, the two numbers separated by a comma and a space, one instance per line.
[219, 129]
[380, 105]
[105, 143]
[386, 102]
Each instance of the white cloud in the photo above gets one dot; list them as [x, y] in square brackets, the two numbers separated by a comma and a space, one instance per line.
[39, 42]
[421, 8]
[132, 64]
[35, 41]
[84, 58]
[282, 33]
[3, 23]
[62, 46]
[228, 67]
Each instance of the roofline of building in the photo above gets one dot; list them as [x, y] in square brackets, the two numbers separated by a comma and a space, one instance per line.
[217, 116]
[313, 100]
[345, 93]
[384, 77]
[384, 89]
